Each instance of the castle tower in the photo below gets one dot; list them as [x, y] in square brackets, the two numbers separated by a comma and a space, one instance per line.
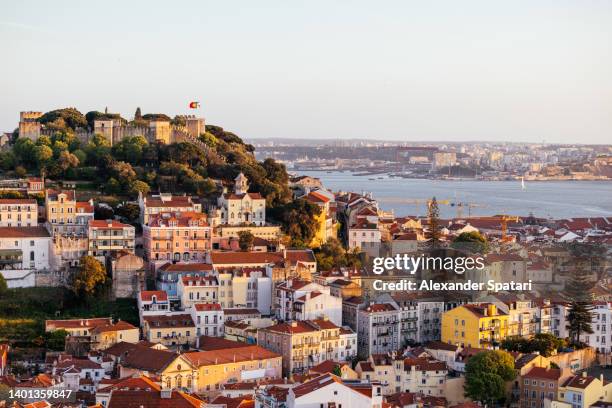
[29, 126]
[104, 127]
[195, 126]
[241, 185]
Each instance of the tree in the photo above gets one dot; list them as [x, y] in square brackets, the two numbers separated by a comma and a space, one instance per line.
[103, 212]
[56, 340]
[129, 211]
[333, 255]
[543, 343]
[67, 160]
[433, 215]
[43, 155]
[486, 374]
[90, 276]
[3, 285]
[138, 186]
[297, 219]
[337, 371]
[471, 241]
[245, 240]
[579, 292]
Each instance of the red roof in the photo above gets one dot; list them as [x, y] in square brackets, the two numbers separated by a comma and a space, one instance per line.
[544, 372]
[203, 307]
[108, 224]
[20, 201]
[24, 232]
[147, 295]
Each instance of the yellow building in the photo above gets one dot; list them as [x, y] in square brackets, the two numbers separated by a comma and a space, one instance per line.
[474, 325]
[102, 337]
[326, 225]
[171, 330]
[231, 365]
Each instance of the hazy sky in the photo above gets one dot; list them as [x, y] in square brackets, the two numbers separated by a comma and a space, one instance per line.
[406, 70]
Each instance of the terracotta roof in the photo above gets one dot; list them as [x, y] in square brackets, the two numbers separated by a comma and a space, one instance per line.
[380, 307]
[246, 258]
[109, 224]
[169, 321]
[148, 399]
[120, 325]
[544, 372]
[234, 196]
[203, 307]
[300, 255]
[327, 379]
[301, 326]
[241, 311]
[187, 267]
[147, 295]
[209, 343]
[77, 323]
[52, 194]
[182, 219]
[199, 281]
[438, 345]
[424, 364]
[232, 355]
[19, 201]
[141, 357]
[327, 366]
[24, 232]
[315, 197]
[579, 381]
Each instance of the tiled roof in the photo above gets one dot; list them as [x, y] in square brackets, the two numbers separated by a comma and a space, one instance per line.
[544, 372]
[232, 355]
[113, 224]
[438, 345]
[203, 307]
[169, 321]
[24, 232]
[120, 325]
[141, 357]
[19, 201]
[246, 258]
[147, 295]
[187, 267]
[77, 323]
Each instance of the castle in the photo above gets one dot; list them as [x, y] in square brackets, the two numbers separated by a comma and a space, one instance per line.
[114, 130]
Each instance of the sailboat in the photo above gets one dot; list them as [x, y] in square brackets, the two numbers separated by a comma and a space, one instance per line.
[523, 184]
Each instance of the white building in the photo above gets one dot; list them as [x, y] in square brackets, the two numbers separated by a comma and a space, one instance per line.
[242, 207]
[301, 300]
[208, 318]
[322, 390]
[378, 329]
[24, 251]
[246, 288]
[18, 212]
[196, 289]
[601, 338]
[153, 302]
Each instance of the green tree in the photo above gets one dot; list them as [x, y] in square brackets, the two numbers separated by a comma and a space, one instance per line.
[56, 340]
[245, 240]
[333, 255]
[486, 374]
[43, 155]
[208, 139]
[297, 219]
[63, 119]
[3, 285]
[129, 211]
[579, 291]
[90, 276]
[471, 241]
[337, 371]
[434, 227]
[138, 186]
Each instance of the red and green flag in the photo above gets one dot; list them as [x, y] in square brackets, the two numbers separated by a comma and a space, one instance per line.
[194, 105]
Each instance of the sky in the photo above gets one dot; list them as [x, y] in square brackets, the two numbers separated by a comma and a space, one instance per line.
[518, 70]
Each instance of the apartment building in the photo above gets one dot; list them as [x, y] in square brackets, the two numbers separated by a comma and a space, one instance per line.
[171, 330]
[178, 236]
[246, 288]
[378, 329]
[480, 325]
[169, 275]
[152, 302]
[77, 327]
[208, 318]
[65, 214]
[24, 251]
[196, 289]
[219, 367]
[18, 212]
[296, 299]
[521, 310]
[397, 373]
[151, 205]
[109, 237]
[582, 391]
[601, 338]
[540, 383]
[304, 344]
[103, 337]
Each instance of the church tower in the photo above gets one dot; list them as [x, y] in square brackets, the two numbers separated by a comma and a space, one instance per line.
[241, 185]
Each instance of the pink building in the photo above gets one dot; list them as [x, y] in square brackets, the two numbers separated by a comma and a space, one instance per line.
[178, 236]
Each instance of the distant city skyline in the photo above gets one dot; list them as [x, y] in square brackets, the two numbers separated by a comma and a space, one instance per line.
[404, 71]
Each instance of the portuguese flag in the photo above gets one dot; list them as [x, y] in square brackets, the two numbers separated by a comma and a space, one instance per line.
[194, 105]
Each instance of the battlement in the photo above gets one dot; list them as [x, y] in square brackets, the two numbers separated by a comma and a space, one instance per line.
[28, 116]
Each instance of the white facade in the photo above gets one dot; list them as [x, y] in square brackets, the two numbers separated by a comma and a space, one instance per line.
[335, 390]
[18, 212]
[299, 300]
[24, 251]
[242, 207]
[208, 319]
[601, 338]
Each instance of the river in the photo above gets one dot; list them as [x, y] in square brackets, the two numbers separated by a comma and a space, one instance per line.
[556, 199]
